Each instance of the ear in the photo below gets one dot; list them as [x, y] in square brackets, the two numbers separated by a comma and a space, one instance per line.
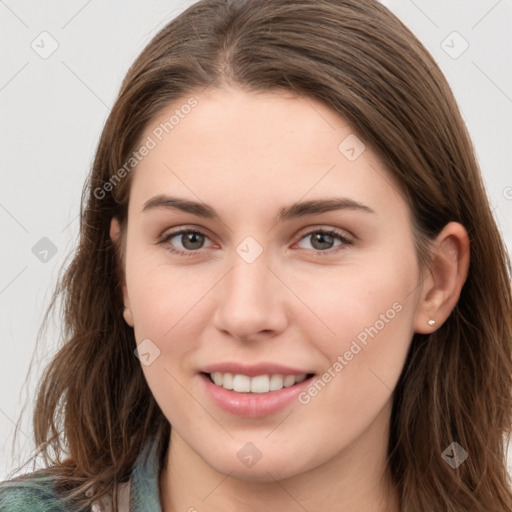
[115, 236]
[444, 279]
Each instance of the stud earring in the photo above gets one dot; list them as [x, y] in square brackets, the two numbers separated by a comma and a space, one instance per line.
[431, 322]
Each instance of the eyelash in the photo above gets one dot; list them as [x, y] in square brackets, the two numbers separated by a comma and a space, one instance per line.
[333, 233]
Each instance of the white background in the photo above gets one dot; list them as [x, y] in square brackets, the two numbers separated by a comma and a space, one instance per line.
[53, 111]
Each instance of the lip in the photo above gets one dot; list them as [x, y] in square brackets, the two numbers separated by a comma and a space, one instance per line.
[253, 405]
[253, 370]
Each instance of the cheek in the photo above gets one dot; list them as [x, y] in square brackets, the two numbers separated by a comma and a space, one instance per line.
[367, 313]
[349, 299]
[169, 306]
[167, 309]
[160, 295]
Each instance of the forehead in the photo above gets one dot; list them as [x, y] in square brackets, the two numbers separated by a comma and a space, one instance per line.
[247, 121]
[263, 145]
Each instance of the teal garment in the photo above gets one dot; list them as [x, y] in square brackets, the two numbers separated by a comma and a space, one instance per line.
[35, 492]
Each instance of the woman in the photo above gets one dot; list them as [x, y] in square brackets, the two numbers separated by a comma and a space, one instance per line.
[290, 292]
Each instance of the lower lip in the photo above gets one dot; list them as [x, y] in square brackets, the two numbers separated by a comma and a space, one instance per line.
[253, 405]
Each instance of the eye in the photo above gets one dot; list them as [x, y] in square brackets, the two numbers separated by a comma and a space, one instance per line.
[322, 240]
[191, 242]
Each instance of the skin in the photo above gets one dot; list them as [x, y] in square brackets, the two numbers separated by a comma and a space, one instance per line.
[248, 155]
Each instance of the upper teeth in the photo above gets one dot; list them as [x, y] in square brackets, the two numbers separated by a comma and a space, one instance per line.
[259, 384]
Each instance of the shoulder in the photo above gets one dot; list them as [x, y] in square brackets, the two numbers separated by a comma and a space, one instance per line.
[33, 492]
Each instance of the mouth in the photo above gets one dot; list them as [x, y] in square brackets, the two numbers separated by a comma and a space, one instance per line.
[260, 384]
[256, 396]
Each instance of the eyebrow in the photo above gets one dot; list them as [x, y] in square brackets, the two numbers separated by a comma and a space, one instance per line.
[296, 210]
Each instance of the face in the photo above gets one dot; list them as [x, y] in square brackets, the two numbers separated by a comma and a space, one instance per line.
[293, 283]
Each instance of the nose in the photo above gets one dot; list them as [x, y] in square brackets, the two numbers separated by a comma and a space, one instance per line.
[251, 302]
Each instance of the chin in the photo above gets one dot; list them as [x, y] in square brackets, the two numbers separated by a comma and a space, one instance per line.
[261, 472]
[268, 468]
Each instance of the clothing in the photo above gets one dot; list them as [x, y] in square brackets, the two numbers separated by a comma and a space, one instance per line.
[34, 493]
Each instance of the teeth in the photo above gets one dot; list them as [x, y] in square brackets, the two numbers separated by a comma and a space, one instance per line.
[227, 381]
[289, 380]
[276, 382]
[260, 384]
[217, 378]
[241, 384]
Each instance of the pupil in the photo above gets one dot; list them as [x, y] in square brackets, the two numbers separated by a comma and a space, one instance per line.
[321, 237]
[194, 238]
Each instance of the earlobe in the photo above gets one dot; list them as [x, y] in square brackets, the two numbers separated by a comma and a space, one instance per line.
[128, 317]
[115, 230]
[444, 279]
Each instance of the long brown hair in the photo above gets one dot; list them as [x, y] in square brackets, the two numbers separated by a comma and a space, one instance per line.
[94, 404]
